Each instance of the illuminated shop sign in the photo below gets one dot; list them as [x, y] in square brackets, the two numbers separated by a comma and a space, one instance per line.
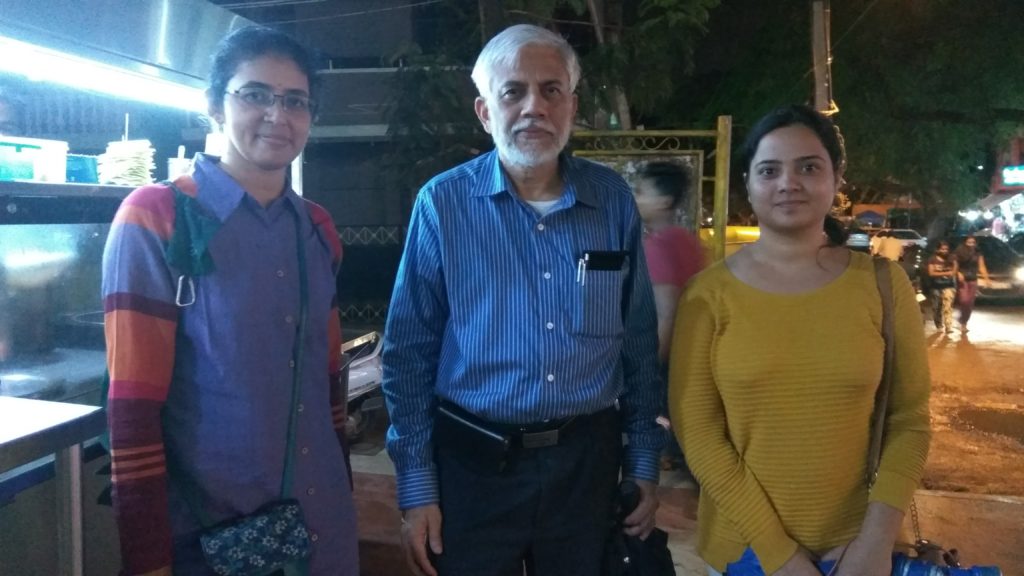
[1013, 176]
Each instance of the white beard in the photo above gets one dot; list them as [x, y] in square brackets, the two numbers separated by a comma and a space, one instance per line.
[530, 157]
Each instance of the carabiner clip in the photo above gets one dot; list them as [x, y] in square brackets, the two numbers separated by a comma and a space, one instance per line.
[191, 292]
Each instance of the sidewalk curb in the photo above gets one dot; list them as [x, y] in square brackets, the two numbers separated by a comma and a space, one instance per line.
[1017, 500]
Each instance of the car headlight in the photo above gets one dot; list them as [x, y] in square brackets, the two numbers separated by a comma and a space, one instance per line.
[1018, 274]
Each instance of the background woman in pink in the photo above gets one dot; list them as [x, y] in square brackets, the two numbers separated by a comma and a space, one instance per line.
[673, 254]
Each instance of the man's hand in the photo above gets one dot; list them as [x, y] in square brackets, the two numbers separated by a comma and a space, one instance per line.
[641, 521]
[421, 526]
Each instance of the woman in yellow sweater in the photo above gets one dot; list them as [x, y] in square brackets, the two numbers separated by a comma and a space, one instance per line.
[775, 361]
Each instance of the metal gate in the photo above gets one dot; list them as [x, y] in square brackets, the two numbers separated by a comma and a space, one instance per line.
[704, 152]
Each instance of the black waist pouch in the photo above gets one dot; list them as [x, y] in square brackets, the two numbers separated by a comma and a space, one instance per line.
[471, 441]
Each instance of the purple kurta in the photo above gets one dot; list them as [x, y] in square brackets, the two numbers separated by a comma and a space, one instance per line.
[225, 418]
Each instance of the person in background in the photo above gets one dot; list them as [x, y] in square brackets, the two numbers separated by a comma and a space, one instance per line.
[970, 265]
[12, 113]
[203, 366]
[999, 226]
[673, 255]
[522, 340]
[775, 418]
[942, 273]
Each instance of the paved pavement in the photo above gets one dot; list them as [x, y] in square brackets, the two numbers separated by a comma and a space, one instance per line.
[986, 530]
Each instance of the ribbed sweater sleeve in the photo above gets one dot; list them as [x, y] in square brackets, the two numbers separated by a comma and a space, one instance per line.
[695, 402]
[140, 321]
[907, 428]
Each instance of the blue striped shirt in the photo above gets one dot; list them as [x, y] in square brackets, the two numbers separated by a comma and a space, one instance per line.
[488, 313]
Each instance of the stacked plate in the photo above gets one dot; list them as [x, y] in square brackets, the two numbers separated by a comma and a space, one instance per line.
[127, 163]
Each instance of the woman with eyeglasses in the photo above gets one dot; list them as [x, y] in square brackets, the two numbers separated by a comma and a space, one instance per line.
[223, 342]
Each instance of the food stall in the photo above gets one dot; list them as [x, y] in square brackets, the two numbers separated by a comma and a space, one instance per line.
[89, 70]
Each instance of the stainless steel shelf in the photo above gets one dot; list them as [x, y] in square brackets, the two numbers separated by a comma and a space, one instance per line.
[46, 189]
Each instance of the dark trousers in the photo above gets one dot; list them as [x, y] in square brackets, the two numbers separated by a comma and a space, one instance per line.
[550, 512]
[967, 292]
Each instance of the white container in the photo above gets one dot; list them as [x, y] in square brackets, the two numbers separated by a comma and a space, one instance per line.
[47, 158]
[178, 166]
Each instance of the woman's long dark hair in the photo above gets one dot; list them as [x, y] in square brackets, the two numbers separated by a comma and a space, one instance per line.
[823, 128]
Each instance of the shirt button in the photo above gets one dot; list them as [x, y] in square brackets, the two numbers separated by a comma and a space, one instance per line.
[311, 491]
[314, 537]
[280, 273]
[305, 450]
[551, 377]
[291, 363]
[288, 319]
[540, 227]
[550, 326]
[300, 407]
[547, 275]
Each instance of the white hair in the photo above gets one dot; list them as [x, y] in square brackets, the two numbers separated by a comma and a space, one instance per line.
[504, 48]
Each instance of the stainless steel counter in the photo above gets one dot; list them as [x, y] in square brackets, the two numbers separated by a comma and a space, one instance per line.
[34, 429]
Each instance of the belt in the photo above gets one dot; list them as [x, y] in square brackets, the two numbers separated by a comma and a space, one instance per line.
[538, 434]
[544, 434]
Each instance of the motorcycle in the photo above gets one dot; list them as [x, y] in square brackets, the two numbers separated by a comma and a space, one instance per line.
[362, 362]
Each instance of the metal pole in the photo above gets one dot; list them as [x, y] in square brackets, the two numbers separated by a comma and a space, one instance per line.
[68, 472]
[821, 53]
[723, 151]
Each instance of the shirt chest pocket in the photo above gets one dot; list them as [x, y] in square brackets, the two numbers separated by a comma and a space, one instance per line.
[597, 309]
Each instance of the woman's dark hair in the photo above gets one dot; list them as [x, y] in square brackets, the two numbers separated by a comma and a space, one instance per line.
[823, 128]
[668, 178]
[254, 42]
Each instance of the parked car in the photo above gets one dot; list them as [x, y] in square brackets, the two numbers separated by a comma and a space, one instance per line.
[1017, 242]
[905, 235]
[858, 240]
[1005, 267]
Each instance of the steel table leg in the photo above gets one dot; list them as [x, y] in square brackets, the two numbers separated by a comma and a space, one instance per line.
[68, 469]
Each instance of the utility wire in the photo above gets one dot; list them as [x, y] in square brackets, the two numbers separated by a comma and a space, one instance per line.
[854, 25]
[267, 4]
[835, 44]
[360, 13]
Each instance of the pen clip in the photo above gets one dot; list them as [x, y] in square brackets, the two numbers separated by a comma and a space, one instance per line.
[581, 269]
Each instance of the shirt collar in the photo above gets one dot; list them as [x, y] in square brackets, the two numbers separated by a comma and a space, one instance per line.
[494, 180]
[220, 193]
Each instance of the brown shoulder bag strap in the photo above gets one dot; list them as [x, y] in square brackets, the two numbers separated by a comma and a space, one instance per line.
[884, 280]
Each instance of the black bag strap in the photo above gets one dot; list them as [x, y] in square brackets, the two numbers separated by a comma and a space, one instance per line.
[883, 278]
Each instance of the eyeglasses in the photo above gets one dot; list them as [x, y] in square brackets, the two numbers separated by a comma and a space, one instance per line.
[259, 97]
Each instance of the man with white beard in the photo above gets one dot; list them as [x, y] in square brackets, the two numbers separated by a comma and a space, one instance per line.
[521, 341]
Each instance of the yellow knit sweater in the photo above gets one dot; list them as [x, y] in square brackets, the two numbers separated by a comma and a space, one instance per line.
[774, 393]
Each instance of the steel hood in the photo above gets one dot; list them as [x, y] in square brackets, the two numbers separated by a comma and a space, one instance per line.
[170, 39]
